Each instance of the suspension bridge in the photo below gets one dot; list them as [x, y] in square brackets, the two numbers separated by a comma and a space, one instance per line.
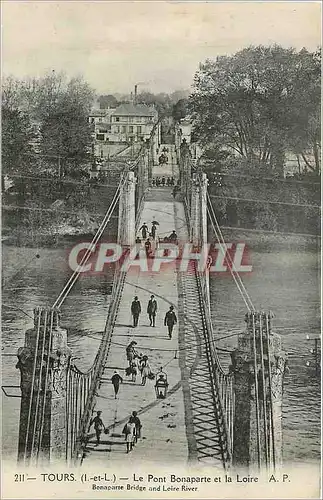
[209, 415]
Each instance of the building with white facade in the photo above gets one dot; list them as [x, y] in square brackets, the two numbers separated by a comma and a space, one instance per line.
[127, 124]
[185, 128]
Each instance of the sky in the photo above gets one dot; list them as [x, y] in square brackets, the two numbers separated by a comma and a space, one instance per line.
[157, 45]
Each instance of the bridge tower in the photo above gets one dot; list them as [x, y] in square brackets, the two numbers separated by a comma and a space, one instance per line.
[198, 219]
[258, 366]
[185, 170]
[198, 227]
[43, 364]
[127, 212]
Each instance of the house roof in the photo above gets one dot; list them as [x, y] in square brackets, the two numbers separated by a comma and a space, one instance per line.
[98, 112]
[130, 109]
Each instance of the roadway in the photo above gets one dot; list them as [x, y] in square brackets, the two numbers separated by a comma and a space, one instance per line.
[180, 428]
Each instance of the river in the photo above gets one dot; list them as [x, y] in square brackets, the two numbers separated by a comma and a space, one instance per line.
[286, 282]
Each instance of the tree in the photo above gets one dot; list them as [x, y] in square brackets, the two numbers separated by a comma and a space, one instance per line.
[18, 133]
[180, 109]
[65, 132]
[177, 95]
[303, 112]
[17, 151]
[107, 101]
[162, 102]
[57, 109]
[247, 103]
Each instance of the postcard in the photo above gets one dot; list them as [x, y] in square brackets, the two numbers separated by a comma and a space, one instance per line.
[161, 183]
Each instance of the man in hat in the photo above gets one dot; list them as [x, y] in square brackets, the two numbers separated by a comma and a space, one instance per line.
[116, 381]
[135, 311]
[152, 310]
[144, 231]
[138, 425]
[98, 426]
[170, 320]
[173, 237]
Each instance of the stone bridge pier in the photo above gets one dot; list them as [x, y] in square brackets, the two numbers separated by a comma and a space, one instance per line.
[43, 363]
[258, 366]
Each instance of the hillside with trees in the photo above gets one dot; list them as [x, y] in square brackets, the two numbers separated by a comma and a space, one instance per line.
[46, 155]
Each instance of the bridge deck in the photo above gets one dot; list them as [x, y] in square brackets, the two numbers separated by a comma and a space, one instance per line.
[183, 427]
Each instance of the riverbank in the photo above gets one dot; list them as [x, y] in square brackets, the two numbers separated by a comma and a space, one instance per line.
[270, 240]
[57, 234]
[50, 218]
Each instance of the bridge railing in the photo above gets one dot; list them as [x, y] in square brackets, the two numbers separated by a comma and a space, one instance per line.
[82, 386]
[95, 373]
[90, 380]
[222, 382]
[78, 387]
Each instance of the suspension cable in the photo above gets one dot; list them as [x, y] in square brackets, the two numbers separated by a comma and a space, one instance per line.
[32, 385]
[67, 409]
[228, 255]
[224, 252]
[255, 368]
[39, 383]
[233, 268]
[264, 395]
[270, 392]
[49, 347]
[63, 294]
[89, 250]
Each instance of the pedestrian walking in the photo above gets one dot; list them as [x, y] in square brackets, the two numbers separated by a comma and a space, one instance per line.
[136, 421]
[134, 369]
[173, 237]
[148, 248]
[129, 432]
[152, 310]
[145, 369]
[135, 311]
[170, 320]
[131, 352]
[154, 225]
[116, 381]
[163, 181]
[98, 426]
[144, 230]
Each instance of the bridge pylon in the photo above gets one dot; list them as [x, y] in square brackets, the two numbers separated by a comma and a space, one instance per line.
[43, 364]
[258, 366]
[198, 219]
[127, 212]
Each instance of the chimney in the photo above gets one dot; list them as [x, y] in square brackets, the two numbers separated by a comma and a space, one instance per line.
[135, 100]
